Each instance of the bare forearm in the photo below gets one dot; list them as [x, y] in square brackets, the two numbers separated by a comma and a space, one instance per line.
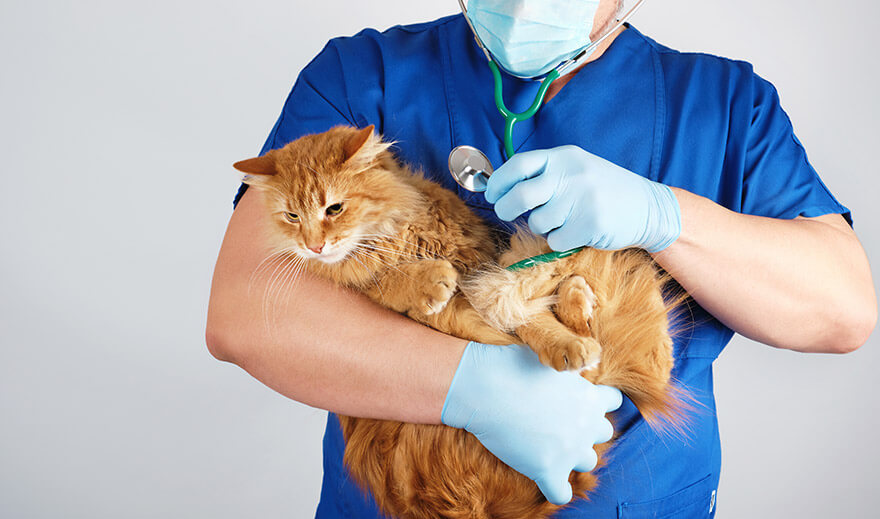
[801, 284]
[326, 347]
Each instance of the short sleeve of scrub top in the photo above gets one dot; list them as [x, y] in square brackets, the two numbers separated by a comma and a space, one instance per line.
[703, 123]
[779, 181]
[737, 145]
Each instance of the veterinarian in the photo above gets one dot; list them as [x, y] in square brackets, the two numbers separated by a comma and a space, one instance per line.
[688, 156]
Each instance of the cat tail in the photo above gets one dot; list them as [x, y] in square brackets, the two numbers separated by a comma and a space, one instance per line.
[668, 410]
[665, 403]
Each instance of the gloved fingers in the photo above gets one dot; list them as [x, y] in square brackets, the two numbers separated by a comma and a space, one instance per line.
[611, 397]
[605, 431]
[550, 216]
[566, 238]
[589, 461]
[520, 167]
[556, 489]
[526, 195]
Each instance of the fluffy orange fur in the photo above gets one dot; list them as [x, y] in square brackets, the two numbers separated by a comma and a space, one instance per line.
[341, 202]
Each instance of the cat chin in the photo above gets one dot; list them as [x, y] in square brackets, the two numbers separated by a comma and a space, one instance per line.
[328, 258]
[335, 258]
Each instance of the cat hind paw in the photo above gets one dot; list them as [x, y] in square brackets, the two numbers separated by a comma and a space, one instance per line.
[576, 304]
[575, 354]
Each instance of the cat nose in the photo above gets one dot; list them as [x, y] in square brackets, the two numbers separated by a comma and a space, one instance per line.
[318, 249]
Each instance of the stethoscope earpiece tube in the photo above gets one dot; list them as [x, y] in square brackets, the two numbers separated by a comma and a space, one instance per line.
[511, 118]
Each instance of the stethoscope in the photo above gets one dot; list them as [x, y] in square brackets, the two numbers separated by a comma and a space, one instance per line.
[471, 168]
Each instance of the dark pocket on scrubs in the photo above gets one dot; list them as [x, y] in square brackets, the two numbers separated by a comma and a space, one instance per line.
[696, 501]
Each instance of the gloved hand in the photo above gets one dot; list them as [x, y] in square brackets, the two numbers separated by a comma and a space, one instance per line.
[541, 422]
[581, 199]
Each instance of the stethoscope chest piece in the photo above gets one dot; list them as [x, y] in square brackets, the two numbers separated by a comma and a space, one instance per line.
[470, 168]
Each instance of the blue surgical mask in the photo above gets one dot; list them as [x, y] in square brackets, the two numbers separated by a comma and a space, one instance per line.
[529, 38]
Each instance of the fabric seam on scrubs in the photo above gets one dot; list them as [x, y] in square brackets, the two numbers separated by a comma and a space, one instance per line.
[533, 122]
[660, 114]
[445, 57]
[350, 117]
[823, 209]
[821, 182]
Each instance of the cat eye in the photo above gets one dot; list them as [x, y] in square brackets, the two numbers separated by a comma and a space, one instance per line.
[292, 217]
[334, 209]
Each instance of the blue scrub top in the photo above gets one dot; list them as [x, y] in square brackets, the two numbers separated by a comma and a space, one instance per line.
[706, 124]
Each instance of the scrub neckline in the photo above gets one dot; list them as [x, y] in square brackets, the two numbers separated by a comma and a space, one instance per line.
[576, 72]
[514, 87]
[585, 67]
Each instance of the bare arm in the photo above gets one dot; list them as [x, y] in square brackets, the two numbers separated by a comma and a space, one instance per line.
[802, 284]
[332, 349]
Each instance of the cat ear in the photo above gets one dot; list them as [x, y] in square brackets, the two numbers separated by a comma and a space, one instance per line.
[356, 142]
[257, 169]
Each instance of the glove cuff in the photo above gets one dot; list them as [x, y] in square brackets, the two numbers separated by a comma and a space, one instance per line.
[456, 413]
[666, 218]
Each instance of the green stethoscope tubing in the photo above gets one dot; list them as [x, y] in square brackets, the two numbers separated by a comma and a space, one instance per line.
[510, 119]
[543, 258]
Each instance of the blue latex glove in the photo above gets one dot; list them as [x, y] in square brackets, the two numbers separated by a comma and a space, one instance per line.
[541, 422]
[581, 199]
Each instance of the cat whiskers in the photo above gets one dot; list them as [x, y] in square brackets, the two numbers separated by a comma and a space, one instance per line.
[383, 249]
[398, 254]
[268, 261]
[293, 276]
[290, 268]
[375, 281]
[375, 256]
[270, 284]
[379, 237]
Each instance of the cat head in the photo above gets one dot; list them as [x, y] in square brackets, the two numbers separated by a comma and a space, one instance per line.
[328, 192]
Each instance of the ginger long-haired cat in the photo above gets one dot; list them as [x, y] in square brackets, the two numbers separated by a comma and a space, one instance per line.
[344, 209]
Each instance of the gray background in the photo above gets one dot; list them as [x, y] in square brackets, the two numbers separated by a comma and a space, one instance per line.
[119, 123]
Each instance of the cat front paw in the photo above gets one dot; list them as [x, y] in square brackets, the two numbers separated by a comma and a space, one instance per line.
[437, 284]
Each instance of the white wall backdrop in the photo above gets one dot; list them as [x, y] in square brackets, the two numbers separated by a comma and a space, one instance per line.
[118, 124]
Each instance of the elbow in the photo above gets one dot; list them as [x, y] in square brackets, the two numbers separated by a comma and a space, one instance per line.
[852, 333]
[218, 337]
[217, 344]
